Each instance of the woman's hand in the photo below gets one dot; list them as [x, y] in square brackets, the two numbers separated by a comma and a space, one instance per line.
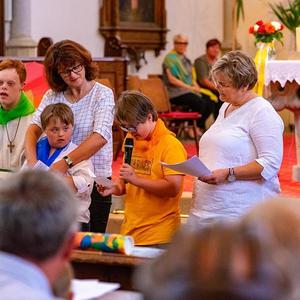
[105, 191]
[216, 177]
[127, 173]
[60, 166]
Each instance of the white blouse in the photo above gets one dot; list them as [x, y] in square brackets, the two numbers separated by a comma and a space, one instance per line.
[254, 131]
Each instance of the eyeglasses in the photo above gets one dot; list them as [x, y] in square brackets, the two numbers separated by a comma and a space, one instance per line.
[181, 43]
[76, 69]
[132, 128]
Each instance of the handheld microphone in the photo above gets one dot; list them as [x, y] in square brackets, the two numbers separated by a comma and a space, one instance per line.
[128, 147]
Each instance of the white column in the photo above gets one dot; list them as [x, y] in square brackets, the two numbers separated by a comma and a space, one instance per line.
[228, 26]
[21, 42]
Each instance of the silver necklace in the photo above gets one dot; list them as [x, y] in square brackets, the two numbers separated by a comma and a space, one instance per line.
[11, 144]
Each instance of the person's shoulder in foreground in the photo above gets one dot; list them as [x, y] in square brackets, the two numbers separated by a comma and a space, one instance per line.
[37, 228]
[254, 258]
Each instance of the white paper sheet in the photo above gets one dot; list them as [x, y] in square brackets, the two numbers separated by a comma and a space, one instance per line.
[146, 251]
[193, 166]
[103, 181]
[91, 288]
[40, 166]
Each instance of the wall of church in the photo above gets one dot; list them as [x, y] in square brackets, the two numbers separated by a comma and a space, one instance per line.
[199, 19]
[79, 20]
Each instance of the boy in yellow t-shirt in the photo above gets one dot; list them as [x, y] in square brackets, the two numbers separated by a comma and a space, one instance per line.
[152, 191]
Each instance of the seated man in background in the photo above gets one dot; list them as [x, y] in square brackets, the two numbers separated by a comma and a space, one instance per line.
[15, 115]
[203, 66]
[182, 89]
[37, 231]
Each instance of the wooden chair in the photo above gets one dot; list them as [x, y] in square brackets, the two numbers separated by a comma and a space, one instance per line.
[118, 134]
[175, 120]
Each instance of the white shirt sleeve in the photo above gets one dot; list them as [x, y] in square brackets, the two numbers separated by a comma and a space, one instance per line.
[104, 113]
[83, 176]
[266, 131]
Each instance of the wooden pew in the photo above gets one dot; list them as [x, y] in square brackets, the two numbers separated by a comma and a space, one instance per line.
[109, 267]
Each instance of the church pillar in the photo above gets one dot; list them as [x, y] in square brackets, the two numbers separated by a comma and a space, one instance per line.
[227, 43]
[21, 42]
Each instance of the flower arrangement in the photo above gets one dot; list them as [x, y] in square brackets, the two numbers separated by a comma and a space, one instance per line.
[267, 32]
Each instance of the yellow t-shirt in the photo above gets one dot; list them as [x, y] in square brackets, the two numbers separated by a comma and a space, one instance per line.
[148, 218]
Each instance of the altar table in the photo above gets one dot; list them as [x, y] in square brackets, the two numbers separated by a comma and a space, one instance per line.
[282, 80]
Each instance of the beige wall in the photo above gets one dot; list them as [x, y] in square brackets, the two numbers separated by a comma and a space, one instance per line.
[259, 10]
[199, 19]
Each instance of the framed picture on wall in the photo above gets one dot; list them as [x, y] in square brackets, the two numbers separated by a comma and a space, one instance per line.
[134, 26]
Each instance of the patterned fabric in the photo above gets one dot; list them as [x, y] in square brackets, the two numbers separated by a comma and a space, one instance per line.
[174, 63]
[104, 242]
[93, 113]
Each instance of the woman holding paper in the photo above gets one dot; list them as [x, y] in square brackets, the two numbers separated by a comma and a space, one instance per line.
[243, 148]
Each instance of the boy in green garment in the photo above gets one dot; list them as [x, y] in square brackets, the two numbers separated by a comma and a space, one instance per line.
[15, 115]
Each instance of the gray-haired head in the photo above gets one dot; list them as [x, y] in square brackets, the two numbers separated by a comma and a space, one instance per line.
[238, 67]
[38, 213]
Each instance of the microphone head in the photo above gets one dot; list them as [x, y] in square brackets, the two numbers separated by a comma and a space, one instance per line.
[129, 142]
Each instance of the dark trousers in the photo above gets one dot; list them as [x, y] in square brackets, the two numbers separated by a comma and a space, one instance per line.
[84, 227]
[197, 103]
[99, 211]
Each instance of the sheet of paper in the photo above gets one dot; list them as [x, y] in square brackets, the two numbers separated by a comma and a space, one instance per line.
[146, 251]
[40, 166]
[104, 181]
[193, 166]
[91, 288]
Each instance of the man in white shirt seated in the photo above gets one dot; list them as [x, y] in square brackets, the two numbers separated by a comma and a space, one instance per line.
[37, 228]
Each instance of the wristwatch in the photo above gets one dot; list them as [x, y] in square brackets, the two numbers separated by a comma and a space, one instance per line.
[231, 175]
[68, 161]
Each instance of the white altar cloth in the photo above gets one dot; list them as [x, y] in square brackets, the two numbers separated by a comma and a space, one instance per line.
[282, 71]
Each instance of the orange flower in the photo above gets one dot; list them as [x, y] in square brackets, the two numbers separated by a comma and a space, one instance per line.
[269, 28]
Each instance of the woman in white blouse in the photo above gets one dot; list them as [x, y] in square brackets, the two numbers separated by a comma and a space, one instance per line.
[243, 148]
[70, 73]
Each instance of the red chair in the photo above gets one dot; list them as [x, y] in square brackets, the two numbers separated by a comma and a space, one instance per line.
[174, 120]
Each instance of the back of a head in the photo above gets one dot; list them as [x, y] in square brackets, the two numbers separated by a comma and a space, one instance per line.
[224, 261]
[38, 212]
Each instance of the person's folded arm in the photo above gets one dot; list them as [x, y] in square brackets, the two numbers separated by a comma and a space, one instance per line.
[32, 135]
[177, 82]
[103, 117]
[84, 151]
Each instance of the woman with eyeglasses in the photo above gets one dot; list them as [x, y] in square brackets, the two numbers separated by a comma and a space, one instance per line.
[70, 73]
[243, 148]
[182, 88]
[152, 192]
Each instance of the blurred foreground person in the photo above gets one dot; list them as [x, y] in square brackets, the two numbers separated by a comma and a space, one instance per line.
[37, 229]
[255, 259]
